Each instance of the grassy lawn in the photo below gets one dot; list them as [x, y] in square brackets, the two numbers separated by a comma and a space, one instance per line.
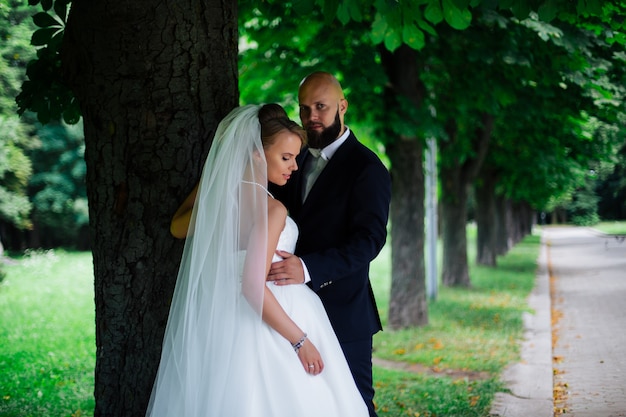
[471, 336]
[47, 350]
[611, 228]
[47, 342]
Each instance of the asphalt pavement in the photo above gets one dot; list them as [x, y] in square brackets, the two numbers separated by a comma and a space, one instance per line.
[579, 303]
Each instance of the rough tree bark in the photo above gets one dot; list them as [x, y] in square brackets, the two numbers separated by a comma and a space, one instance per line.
[153, 79]
[407, 305]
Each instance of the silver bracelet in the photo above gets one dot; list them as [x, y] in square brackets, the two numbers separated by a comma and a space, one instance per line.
[296, 346]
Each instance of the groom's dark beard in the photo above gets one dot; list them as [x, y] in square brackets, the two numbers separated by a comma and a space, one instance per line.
[319, 140]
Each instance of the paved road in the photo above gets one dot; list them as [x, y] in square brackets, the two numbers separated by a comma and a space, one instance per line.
[586, 271]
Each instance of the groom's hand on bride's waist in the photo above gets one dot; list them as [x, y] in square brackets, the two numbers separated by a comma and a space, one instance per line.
[288, 271]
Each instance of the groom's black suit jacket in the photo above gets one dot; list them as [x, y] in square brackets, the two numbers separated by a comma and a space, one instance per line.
[343, 227]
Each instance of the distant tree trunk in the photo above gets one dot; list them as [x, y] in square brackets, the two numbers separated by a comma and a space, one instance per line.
[407, 304]
[523, 221]
[486, 218]
[504, 220]
[559, 216]
[455, 271]
[34, 236]
[455, 181]
[153, 79]
[531, 219]
[517, 221]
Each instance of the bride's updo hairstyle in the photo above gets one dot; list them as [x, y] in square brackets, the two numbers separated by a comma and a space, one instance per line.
[274, 120]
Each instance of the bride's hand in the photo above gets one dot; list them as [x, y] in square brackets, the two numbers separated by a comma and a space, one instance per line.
[310, 358]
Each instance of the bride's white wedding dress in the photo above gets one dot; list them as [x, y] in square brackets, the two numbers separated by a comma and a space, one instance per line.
[260, 375]
[295, 392]
[288, 390]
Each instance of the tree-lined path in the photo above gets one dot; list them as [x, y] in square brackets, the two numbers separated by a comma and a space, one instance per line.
[578, 303]
[588, 274]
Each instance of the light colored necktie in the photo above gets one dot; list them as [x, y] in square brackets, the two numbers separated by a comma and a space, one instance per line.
[314, 168]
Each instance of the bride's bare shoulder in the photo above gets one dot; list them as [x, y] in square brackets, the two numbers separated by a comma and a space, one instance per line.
[276, 208]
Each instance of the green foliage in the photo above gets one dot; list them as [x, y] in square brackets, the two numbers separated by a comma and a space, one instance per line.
[15, 51]
[591, 194]
[385, 22]
[44, 92]
[551, 86]
[15, 171]
[585, 215]
[15, 167]
[54, 197]
[57, 188]
[612, 189]
[393, 23]
[563, 118]
[583, 209]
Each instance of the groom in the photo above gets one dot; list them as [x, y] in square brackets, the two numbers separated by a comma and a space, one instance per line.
[340, 200]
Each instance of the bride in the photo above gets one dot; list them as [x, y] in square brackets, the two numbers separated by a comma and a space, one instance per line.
[234, 345]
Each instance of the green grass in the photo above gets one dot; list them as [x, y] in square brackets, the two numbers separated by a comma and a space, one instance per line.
[47, 344]
[418, 395]
[471, 336]
[611, 228]
[47, 348]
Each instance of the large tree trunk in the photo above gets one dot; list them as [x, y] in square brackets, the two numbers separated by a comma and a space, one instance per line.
[407, 304]
[456, 179]
[153, 80]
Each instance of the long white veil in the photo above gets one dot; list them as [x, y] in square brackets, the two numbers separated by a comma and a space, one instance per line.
[210, 345]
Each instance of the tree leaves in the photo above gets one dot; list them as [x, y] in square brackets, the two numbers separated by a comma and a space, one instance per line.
[44, 20]
[42, 37]
[303, 7]
[413, 37]
[44, 92]
[547, 11]
[400, 23]
[456, 17]
[15, 170]
[397, 22]
[434, 13]
[51, 28]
